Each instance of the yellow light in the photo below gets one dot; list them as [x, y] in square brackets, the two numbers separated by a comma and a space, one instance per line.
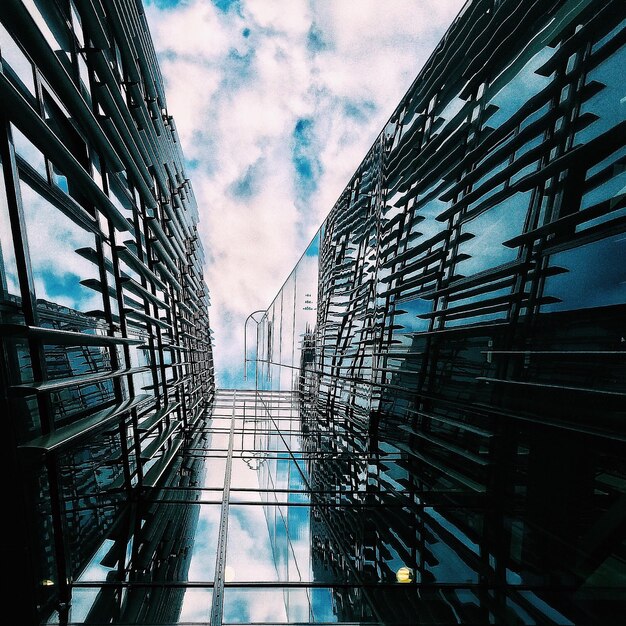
[47, 583]
[404, 575]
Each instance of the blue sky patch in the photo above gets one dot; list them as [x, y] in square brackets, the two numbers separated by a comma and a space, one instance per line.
[304, 157]
[66, 285]
[238, 68]
[249, 184]
[314, 247]
[359, 110]
[227, 5]
[315, 41]
[164, 4]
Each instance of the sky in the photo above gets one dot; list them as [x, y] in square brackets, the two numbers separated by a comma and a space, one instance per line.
[276, 103]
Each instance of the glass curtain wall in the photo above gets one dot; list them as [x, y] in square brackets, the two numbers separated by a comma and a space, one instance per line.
[226, 537]
[104, 331]
[463, 378]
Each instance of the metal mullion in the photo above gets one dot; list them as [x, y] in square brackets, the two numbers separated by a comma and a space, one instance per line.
[220, 561]
[21, 528]
[138, 220]
[451, 242]
[106, 300]
[168, 291]
[117, 279]
[336, 585]
[99, 247]
[555, 193]
[156, 329]
[41, 111]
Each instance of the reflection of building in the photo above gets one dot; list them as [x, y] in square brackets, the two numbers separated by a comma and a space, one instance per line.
[106, 353]
[160, 539]
[307, 382]
[469, 349]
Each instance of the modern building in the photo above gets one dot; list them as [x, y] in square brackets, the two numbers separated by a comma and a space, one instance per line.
[106, 349]
[437, 431]
[462, 378]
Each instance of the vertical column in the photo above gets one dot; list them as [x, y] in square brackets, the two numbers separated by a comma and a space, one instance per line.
[220, 562]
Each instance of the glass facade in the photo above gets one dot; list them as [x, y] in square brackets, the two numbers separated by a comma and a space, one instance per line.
[436, 432]
[454, 335]
[106, 352]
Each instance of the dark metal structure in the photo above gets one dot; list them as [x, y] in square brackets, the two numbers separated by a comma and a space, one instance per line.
[464, 404]
[438, 430]
[106, 352]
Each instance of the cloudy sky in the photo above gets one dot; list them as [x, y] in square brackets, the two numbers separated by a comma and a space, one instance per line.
[276, 103]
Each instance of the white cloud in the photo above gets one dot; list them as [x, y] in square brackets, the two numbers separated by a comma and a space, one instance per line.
[291, 18]
[190, 86]
[237, 82]
[196, 29]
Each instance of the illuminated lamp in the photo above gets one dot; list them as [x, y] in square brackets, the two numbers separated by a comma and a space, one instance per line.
[404, 575]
